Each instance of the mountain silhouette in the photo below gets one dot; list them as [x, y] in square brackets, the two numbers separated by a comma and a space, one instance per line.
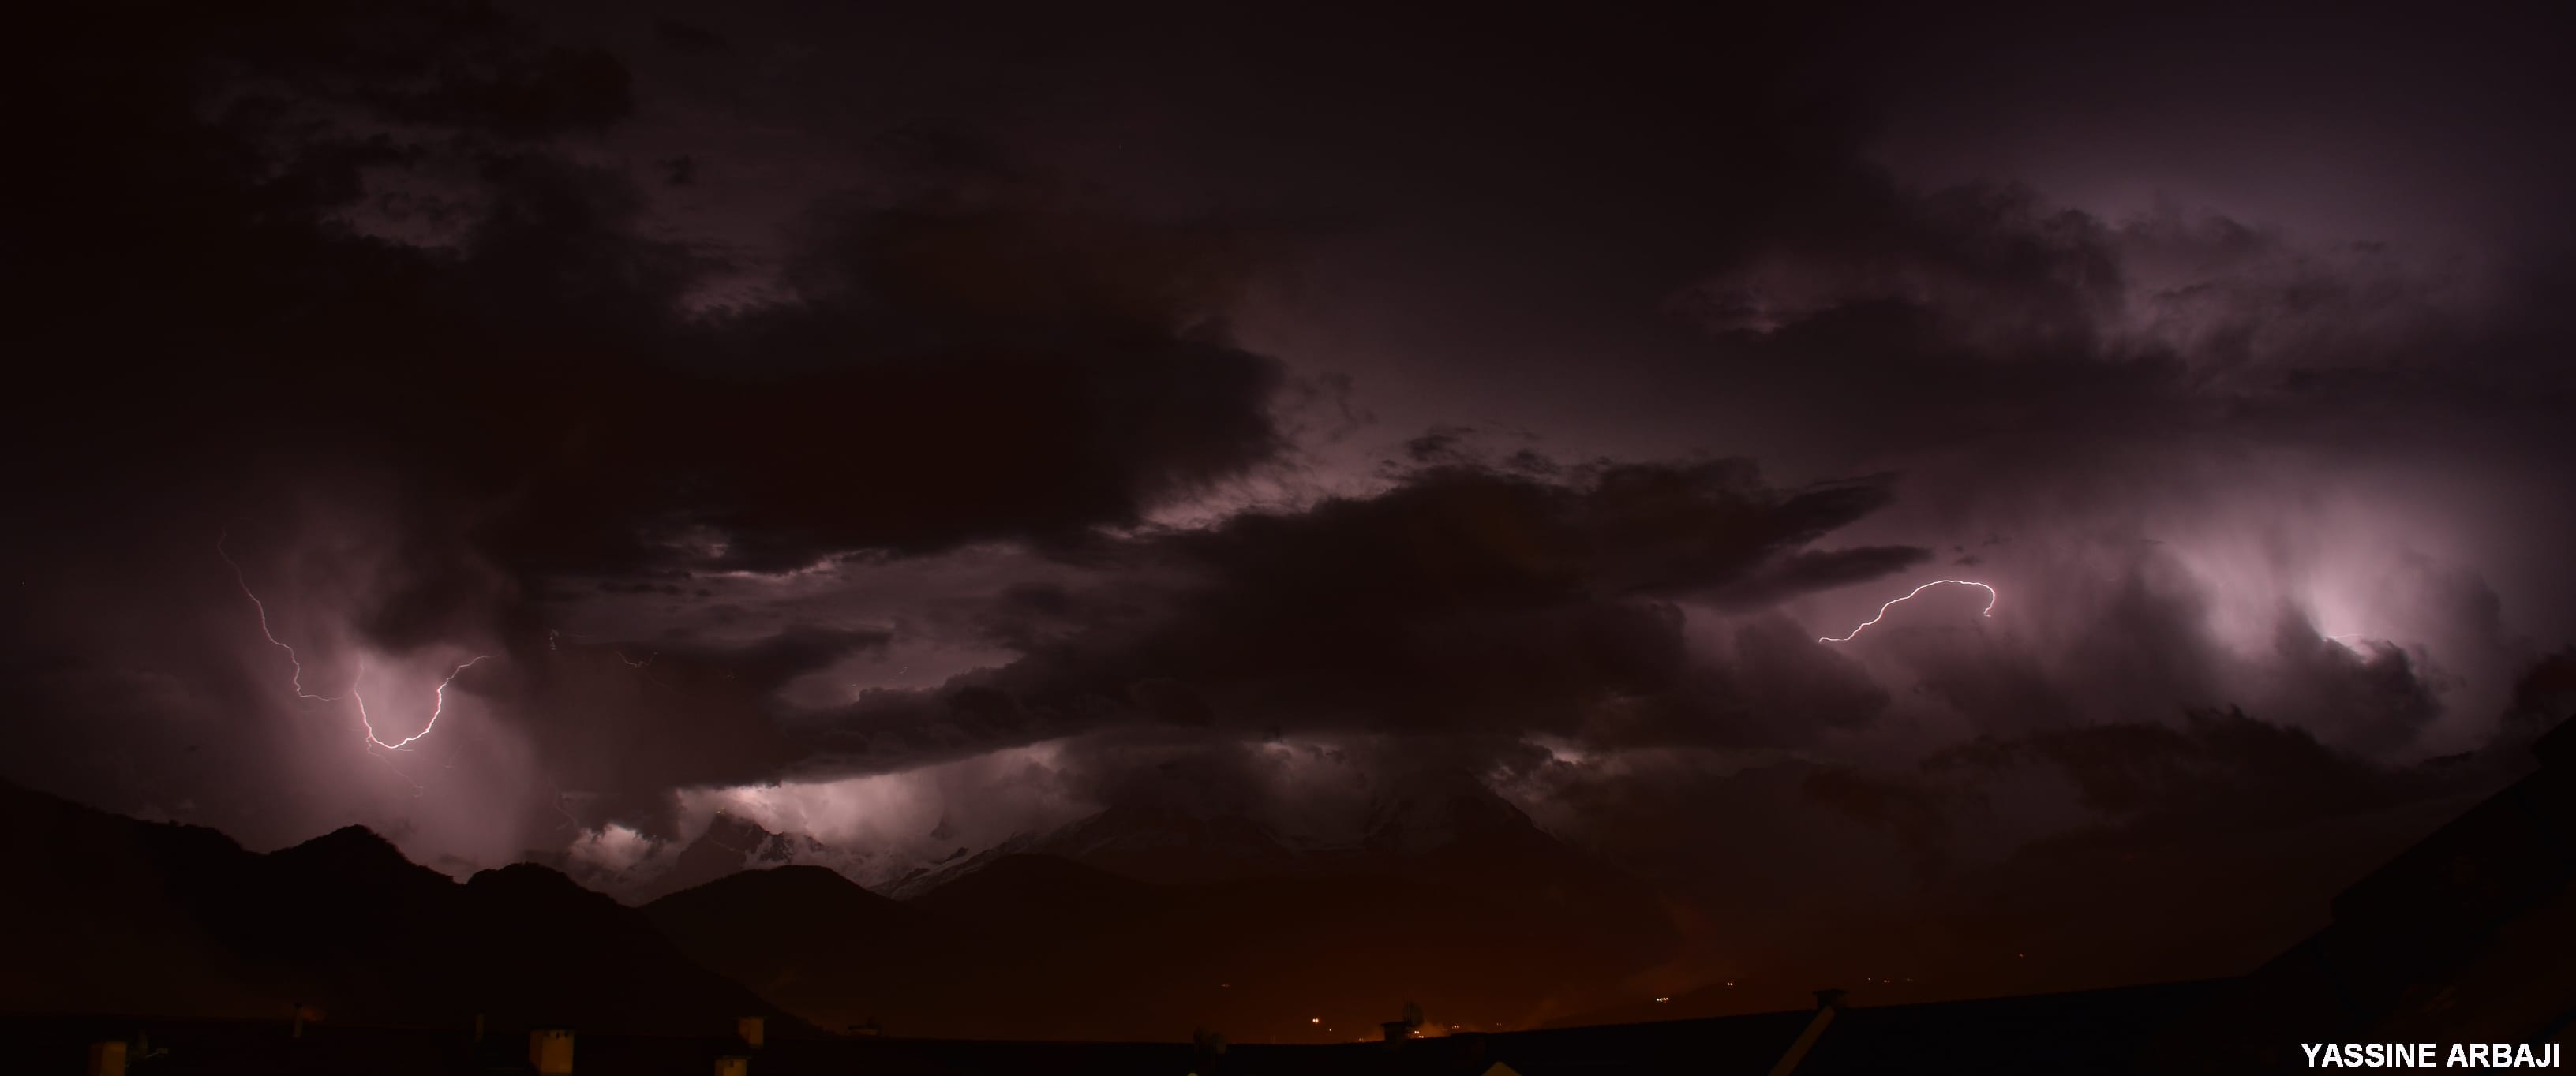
[1043, 947]
[155, 919]
[1145, 920]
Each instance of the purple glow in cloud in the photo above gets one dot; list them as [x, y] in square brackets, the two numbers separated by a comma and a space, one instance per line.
[365, 722]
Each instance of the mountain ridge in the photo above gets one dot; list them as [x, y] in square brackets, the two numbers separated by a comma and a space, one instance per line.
[342, 926]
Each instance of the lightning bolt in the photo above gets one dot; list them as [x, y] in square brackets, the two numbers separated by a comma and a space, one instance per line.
[643, 668]
[1991, 599]
[570, 821]
[434, 711]
[439, 699]
[262, 607]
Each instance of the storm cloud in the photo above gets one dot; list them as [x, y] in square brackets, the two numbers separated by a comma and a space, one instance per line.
[917, 432]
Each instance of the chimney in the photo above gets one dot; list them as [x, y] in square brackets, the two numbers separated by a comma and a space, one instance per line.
[749, 1029]
[1402, 1029]
[550, 1052]
[733, 1066]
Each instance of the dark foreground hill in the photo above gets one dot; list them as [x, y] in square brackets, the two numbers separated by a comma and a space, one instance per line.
[108, 914]
[814, 942]
[1032, 946]
[2463, 938]
[2081, 1034]
[166, 920]
[1149, 920]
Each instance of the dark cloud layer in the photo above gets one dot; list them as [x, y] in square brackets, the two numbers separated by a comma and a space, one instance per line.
[946, 372]
[1466, 601]
[1164, 395]
[231, 331]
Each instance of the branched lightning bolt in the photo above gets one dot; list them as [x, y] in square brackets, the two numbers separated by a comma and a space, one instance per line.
[1991, 599]
[433, 712]
[644, 667]
[440, 699]
[262, 607]
[571, 821]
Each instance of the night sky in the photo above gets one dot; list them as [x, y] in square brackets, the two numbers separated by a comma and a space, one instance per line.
[914, 431]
